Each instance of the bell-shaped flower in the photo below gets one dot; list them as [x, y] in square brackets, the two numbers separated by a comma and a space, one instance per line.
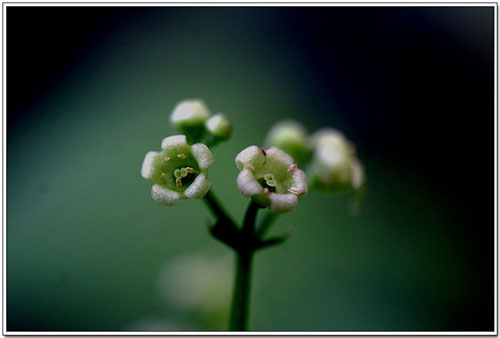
[334, 165]
[271, 178]
[291, 137]
[189, 117]
[178, 171]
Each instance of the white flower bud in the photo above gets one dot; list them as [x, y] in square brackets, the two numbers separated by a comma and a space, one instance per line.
[291, 137]
[219, 127]
[189, 117]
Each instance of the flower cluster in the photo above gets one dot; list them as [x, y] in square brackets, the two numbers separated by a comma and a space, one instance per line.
[270, 177]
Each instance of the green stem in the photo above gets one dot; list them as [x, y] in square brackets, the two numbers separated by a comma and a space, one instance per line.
[241, 293]
[244, 254]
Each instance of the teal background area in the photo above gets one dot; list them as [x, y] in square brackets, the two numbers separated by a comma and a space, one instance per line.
[86, 243]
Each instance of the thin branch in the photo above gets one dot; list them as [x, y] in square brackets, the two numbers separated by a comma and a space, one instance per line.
[215, 206]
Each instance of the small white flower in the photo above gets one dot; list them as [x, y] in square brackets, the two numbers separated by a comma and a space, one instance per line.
[334, 164]
[178, 171]
[271, 178]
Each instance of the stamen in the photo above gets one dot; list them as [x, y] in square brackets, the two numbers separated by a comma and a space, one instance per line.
[189, 170]
[182, 156]
[178, 182]
[167, 159]
[270, 180]
[295, 191]
[163, 175]
[249, 166]
[292, 167]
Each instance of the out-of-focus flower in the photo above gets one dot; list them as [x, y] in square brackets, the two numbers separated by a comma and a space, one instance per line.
[199, 283]
[189, 117]
[271, 178]
[291, 137]
[178, 171]
[334, 164]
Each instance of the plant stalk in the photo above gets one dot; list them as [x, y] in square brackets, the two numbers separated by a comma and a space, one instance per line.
[243, 275]
[241, 293]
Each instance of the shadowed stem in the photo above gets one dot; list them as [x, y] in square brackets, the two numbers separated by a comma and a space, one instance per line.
[243, 276]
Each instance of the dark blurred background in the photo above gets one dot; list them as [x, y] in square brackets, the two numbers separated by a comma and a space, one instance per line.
[89, 92]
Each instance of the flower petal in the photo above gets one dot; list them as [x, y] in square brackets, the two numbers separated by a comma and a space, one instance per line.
[247, 184]
[147, 166]
[279, 155]
[281, 203]
[299, 180]
[202, 154]
[164, 196]
[251, 155]
[198, 188]
[173, 142]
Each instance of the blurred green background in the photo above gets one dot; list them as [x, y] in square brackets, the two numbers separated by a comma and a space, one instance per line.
[88, 248]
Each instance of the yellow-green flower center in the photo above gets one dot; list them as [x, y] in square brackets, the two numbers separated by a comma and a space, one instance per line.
[274, 176]
[175, 170]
